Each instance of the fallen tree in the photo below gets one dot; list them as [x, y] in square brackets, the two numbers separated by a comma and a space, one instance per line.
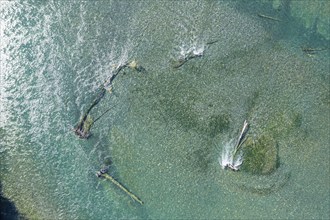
[82, 129]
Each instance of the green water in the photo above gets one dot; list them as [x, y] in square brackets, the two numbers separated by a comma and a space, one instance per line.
[166, 127]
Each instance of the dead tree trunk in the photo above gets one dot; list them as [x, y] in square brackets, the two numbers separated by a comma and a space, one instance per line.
[82, 129]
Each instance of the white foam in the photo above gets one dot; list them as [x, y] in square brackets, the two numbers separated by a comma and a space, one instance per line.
[228, 159]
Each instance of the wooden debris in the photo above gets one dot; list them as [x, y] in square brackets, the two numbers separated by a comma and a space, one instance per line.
[310, 50]
[82, 129]
[183, 60]
[241, 137]
[134, 197]
[268, 17]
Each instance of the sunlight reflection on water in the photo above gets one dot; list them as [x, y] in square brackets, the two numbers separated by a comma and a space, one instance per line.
[162, 126]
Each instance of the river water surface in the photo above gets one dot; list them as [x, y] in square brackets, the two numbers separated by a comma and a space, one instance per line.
[166, 126]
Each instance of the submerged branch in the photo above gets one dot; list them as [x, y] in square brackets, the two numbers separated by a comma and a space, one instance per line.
[101, 115]
[268, 17]
[309, 50]
[108, 177]
[241, 137]
[82, 129]
[182, 61]
[230, 158]
[192, 54]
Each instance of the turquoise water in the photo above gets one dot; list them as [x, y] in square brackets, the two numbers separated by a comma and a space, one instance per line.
[166, 127]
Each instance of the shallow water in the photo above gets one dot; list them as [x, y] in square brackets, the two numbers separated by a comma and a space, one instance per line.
[167, 126]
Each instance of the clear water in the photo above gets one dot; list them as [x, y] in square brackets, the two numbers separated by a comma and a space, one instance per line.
[166, 127]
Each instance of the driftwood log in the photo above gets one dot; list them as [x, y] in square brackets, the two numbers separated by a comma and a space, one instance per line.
[82, 129]
[191, 55]
[183, 60]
